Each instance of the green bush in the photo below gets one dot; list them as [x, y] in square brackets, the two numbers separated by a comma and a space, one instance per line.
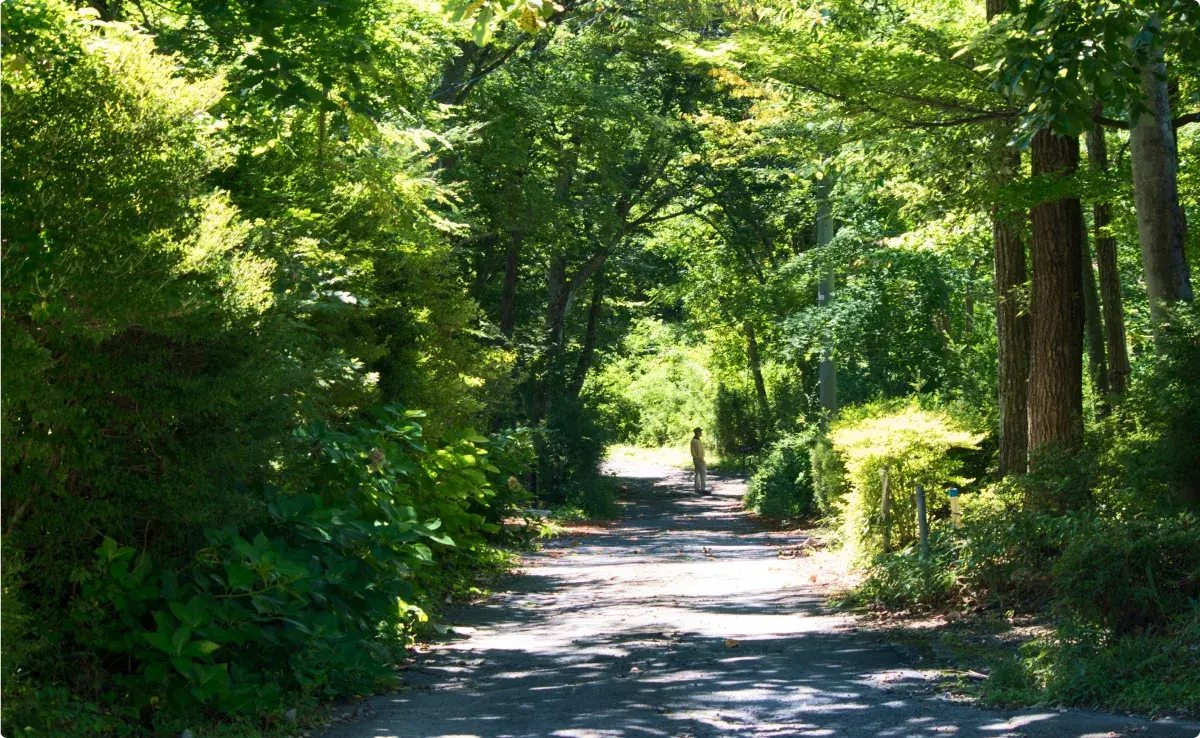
[1146, 673]
[513, 453]
[782, 485]
[904, 579]
[590, 499]
[1148, 451]
[1005, 551]
[914, 443]
[1129, 575]
[163, 341]
[829, 479]
[735, 421]
[15, 646]
[312, 602]
[570, 445]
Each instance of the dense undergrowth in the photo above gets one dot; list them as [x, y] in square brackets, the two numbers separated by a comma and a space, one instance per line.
[1118, 576]
[215, 509]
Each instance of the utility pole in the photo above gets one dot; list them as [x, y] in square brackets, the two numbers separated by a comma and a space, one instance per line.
[825, 230]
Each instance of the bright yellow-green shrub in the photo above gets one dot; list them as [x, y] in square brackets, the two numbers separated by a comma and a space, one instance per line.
[915, 444]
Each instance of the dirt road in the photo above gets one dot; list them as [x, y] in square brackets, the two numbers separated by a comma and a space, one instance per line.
[682, 620]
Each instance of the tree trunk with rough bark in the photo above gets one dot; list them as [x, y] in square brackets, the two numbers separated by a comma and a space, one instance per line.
[1094, 329]
[1109, 275]
[760, 386]
[557, 302]
[584, 363]
[556, 298]
[1161, 229]
[1056, 307]
[1012, 320]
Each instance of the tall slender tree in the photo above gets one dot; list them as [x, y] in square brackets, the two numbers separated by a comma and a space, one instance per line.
[1012, 320]
[1094, 328]
[1161, 227]
[1109, 276]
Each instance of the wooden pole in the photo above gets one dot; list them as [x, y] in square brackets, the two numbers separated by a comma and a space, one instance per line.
[885, 505]
[922, 522]
[828, 370]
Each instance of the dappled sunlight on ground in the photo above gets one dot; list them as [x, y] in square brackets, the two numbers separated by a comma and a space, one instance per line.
[683, 620]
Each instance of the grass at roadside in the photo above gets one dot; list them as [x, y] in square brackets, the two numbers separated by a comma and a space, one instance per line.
[1010, 661]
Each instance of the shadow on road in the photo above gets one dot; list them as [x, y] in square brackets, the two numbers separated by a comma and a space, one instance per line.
[681, 621]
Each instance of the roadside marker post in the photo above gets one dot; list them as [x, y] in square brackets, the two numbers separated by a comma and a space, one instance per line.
[955, 508]
[885, 504]
[922, 522]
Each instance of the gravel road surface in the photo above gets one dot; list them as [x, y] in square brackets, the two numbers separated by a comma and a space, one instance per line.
[683, 620]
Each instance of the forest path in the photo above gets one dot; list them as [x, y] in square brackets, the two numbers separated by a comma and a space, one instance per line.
[681, 620]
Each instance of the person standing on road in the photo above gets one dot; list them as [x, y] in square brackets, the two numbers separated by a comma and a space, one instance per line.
[699, 467]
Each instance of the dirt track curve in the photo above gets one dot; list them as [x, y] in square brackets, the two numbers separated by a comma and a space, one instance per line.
[682, 620]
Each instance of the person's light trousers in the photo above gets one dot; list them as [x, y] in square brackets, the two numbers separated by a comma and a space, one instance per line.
[700, 475]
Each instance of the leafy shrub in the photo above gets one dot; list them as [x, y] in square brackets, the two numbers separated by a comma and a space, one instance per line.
[590, 499]
[735, 421]
[829, 479]
[1149, 449]
[782, 485]
[570, 447]
[1117, 575]
[914, 443]
[13, 629]
[903, 579]
[1128, 575]
[162, 341]
[1076, 665]
[1006, 552]
[312, 602]
[513, 453]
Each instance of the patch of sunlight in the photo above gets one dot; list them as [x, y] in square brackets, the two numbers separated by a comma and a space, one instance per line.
[679, 456]
[1020, 721]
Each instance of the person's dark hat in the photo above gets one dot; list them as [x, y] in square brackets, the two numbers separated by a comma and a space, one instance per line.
[697, 429]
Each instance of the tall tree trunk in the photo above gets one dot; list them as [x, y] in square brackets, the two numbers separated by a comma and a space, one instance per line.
[1094, 329]
[1110, 276]
[1056, 307]
[828, 375]
[588, 352]
[760, 387]
[508, 295]
[1161, 229]
[556, 299]
[556, 317]
[1012, 321]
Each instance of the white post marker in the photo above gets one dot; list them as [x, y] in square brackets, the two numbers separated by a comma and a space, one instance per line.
[955, 507]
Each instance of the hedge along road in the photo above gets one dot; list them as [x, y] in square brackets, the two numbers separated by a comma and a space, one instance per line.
[682, 620]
